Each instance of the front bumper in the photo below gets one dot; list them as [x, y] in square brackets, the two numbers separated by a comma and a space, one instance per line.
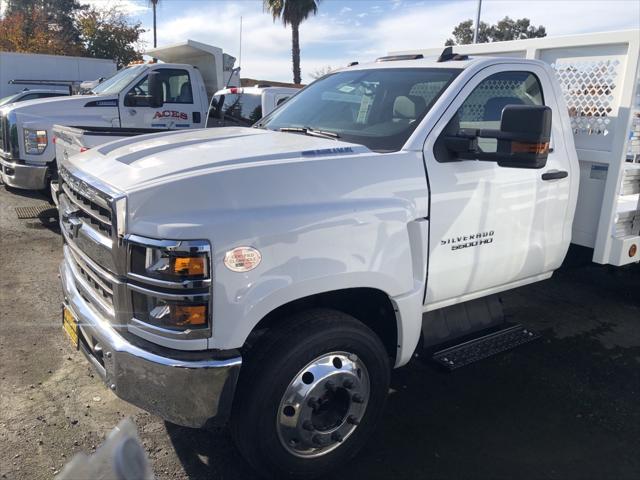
[190, 392]
[21, 175]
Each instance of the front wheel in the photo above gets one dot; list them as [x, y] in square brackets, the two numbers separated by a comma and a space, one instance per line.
[310, 394]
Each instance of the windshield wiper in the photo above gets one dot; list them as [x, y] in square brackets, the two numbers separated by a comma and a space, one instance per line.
[311, 132]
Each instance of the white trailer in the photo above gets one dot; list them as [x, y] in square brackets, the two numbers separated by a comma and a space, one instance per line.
[53, 68]
[599, 76]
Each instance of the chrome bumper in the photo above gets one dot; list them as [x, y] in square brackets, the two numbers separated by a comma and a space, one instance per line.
[185, 392]
[20, 175]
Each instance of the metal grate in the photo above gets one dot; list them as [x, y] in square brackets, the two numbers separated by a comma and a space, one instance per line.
[589, 89]
[43, 210]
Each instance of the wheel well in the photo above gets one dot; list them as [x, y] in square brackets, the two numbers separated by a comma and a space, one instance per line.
[368, 305]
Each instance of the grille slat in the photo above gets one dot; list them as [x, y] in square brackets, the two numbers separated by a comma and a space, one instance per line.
[101, 286]
[89, 208]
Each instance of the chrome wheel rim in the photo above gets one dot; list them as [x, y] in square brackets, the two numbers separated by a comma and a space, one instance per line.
[323, 404]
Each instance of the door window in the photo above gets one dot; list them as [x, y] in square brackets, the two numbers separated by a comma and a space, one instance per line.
[176, 88]
[483, 107]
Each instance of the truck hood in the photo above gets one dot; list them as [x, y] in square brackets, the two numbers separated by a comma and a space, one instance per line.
[139, 163]
[74, 110]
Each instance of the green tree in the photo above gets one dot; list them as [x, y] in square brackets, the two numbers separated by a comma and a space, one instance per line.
[60, 15]
[108, 34]
[292, 12]
[505, 29]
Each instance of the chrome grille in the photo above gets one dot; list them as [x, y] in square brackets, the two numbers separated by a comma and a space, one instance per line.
[91, 212]
[93, 208]
[99, 285]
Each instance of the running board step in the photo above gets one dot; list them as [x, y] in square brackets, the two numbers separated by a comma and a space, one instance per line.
[484, 347]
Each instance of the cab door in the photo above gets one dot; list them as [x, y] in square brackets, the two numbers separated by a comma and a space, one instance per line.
[491, 227]
[178, 111]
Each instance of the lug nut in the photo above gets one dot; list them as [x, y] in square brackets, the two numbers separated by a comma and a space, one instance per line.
[330, 386]
[353, 420]
[357, 398]
[307, 425]
[348, 384]
[336, 437]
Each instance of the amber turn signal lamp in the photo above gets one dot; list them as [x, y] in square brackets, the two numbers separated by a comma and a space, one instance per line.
[188, 265]
[189, 314]
[537, 148]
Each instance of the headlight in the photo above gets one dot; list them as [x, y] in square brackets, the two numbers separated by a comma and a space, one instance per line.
[172, 263]
[179, 315]
[171, 285]
[35, 141]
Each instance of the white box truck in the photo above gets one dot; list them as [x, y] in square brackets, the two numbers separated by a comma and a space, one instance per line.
[170, 95]
[275, 275]
[32, 70]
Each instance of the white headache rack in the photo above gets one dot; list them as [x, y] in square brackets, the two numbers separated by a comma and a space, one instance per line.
[599, 76]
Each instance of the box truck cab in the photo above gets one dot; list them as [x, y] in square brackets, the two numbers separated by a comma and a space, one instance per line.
[172, 95]
[274, 275]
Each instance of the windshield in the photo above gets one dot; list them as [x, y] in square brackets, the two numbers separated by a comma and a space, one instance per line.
[9, 99]
[119, 81]
[376, 108]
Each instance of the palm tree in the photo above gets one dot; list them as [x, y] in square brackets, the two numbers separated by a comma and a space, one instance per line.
[292, 12]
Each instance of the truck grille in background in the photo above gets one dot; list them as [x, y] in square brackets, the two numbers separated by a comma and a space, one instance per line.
[3, 134]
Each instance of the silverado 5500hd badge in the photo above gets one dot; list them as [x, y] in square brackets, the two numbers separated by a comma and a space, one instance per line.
[467, 241]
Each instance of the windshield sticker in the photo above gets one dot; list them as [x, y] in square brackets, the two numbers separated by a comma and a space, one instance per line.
[327, 151]
[466, 241]
[170, 114]
[347, 88]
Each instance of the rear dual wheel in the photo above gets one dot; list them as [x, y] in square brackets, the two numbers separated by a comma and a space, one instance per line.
[310, 394]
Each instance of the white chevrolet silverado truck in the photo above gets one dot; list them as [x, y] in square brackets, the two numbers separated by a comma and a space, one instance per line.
[273, 276]
[171, 95]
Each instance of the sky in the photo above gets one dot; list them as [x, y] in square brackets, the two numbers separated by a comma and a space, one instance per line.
[357, 30]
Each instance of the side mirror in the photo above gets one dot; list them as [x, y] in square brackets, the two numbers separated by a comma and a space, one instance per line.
[522, 141]
[156, 92]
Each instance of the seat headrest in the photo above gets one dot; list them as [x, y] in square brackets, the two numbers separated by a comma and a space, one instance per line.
[408, 107]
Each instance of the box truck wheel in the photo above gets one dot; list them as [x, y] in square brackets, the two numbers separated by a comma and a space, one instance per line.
[309, 395]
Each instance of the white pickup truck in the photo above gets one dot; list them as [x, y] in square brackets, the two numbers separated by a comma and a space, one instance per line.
[171, 95]
[232, 106]
[275, 275]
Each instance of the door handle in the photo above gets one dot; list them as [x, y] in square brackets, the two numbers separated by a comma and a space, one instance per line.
[555, 175]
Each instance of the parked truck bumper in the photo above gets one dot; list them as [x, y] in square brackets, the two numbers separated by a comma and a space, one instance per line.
[21, 175]
[190, 392]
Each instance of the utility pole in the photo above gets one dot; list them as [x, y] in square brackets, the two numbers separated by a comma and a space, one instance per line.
[155, 36]
[475, 31]
[240, 55]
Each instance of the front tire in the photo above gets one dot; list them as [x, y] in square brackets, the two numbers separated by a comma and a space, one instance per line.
[310, 394]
